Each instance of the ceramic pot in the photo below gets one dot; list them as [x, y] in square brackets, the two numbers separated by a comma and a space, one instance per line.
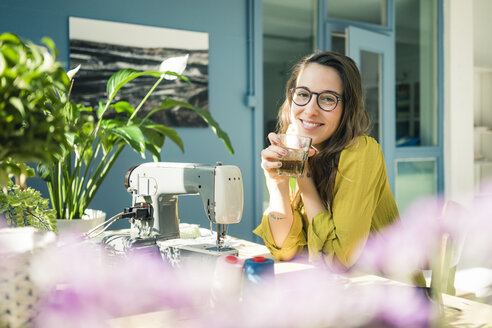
[89, 220]
[19, 295]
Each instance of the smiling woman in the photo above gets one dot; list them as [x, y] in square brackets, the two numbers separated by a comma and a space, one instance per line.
[344, 194]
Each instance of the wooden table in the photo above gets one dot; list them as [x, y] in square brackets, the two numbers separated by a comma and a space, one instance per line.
[457, 312]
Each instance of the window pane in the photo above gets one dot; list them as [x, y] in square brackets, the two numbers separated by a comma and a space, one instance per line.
[285, 41]
[338, 40]
[371, 80]
[366, 11]
[414, 179]
[416, 72]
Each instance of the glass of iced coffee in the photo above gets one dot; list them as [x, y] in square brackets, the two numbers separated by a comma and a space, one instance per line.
[297, 154]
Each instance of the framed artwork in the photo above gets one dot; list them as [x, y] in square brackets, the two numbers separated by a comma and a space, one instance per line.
[103, 48]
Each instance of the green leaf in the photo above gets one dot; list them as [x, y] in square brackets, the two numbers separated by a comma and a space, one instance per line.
[205, 114]
[154, 150]
[184, 78]
[50, 44]
[123, 107]
[168, 132]
[12, 55]
[9, 37]
[107, 143]
[119, 79]
[2, 64]
[17, 103]
[100, 110]
[166, 103]
[87, 128]
[87, 155]
[43, 172]
[70, 138]
[124, 76]
[133, 136]
[153, 137]
[109, 124]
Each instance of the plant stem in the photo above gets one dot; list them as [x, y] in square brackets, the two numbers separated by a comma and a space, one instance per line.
[81, 204]
[144, 99]
[102, 171]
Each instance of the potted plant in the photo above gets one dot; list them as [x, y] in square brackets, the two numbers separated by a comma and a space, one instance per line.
[32, 129]
[32, 125]
[76, 174]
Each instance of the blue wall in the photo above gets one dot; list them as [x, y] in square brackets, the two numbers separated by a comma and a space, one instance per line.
[227, 24]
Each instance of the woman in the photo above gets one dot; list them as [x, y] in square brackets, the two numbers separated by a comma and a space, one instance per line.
[344, 194]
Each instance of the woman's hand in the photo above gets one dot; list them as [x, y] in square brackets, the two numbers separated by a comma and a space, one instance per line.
[270, 159]
[280, 215]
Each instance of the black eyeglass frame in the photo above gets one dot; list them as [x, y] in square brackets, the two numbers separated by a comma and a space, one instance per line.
[337, 97]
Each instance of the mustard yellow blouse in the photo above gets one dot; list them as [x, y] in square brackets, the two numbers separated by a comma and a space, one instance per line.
[362, 203]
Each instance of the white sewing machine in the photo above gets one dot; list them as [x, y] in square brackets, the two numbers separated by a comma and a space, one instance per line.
[155, 188]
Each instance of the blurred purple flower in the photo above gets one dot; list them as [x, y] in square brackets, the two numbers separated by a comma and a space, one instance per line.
[407, 246]
[85, 288]
[317, 298]
[414, 243]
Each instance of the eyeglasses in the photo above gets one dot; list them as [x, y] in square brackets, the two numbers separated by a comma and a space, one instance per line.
[327, 100]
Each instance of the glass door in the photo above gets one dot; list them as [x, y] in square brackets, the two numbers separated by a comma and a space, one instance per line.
[396, 46]
[375, 56]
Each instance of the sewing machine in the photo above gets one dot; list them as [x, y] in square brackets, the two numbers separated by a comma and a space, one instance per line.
[155, 188]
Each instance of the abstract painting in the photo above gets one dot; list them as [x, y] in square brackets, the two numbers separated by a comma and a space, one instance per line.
[103, 48]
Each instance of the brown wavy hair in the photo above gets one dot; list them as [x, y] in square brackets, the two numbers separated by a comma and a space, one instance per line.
[354, 121]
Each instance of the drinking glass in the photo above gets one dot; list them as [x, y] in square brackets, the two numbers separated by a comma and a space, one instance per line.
[297, 154]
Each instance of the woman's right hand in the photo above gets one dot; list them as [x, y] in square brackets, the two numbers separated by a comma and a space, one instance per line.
[270, 159]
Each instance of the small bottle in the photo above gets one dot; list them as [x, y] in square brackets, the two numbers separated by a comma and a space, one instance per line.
[227, 281]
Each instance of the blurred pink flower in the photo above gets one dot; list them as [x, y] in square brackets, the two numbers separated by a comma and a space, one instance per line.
[317, 298]
[414, 243]
[85, 289]
[407, 246]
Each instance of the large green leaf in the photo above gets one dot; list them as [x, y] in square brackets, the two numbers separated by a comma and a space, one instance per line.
[168, 132]
[133, 136]
[205, 114]
[124, 76]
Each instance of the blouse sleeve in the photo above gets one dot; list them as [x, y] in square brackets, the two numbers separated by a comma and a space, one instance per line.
[360, 181]
[293, 244]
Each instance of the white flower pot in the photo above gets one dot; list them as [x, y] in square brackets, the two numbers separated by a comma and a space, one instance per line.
[18, 293]
[89, 220]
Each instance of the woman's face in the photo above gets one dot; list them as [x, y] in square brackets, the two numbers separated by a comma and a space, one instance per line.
[310, 120]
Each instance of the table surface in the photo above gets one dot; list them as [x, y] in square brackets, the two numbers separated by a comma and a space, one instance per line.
[458, 312]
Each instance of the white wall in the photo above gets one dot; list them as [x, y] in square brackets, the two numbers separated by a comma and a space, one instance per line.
[458, 100]
[482, 38]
